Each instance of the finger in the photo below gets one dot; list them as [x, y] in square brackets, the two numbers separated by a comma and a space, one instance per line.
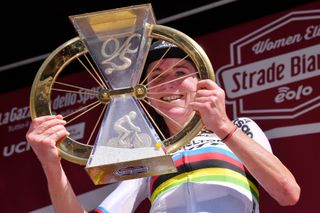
[61, 135]
[36, 122]
[204, 103]
[205, 99]
[39, 120]
[207, 84]
[52, 130]
[57, 133]
[205, 93]
[197, 106]
[43, 127]
[44, 118]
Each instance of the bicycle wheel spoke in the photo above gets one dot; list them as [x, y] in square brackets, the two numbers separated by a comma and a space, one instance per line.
[164, 115]
[169, 92]
[165, 102]
[98, 121]
[150, 117]
[74, 86]
[168, 82]
[155, 66]
[72, 91]
[167, 70]
[96, 72]
[81, 109]
[97, 103]
[92, 75]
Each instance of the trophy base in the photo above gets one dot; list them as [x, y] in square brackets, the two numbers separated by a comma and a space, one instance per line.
[110, 173]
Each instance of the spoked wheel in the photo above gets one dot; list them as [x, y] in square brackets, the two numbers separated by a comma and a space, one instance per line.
[69, 83]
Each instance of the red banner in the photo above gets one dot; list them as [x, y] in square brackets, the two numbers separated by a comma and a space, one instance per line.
[268, 67]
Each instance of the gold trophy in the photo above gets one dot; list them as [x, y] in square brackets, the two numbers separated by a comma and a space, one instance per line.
[126, 141]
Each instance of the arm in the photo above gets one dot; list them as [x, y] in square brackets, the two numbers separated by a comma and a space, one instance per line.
[126, 197]
[133, 126]
[275, 178]
[43, 134]
[272, 175]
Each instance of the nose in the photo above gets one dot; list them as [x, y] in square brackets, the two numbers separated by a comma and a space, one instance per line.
[169, 82]
[165, 81]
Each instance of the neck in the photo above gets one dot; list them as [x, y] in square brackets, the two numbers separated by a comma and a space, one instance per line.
[179, 124]
[173, 128]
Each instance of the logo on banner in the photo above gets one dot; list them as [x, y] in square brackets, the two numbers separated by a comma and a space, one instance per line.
[273, 71]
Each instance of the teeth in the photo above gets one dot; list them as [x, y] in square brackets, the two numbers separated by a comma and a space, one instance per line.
[171, 98]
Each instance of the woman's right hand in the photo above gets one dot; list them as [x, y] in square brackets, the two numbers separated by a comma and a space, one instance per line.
[43, 135]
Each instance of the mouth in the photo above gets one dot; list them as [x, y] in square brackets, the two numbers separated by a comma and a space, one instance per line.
[171, 98]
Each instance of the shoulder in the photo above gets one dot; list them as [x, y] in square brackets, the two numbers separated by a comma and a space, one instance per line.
[247, 125]
[253, 130]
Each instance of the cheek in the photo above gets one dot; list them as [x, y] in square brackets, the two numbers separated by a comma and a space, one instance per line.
[153, 94]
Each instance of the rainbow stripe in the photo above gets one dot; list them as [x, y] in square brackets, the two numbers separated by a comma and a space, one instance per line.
[100, 209]
[210, 165]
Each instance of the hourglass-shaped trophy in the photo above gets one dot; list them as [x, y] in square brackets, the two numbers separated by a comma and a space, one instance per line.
[126, 141]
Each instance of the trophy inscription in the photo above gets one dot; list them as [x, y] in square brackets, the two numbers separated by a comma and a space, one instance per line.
[118, 51]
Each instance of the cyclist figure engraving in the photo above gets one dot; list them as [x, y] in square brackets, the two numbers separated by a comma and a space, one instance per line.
[129, 134]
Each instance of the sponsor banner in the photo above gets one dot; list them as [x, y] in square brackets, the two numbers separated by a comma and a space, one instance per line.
[271, 65]
[22, 181]
[270, 70]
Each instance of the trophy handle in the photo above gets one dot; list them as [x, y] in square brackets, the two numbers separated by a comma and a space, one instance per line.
[63, 57]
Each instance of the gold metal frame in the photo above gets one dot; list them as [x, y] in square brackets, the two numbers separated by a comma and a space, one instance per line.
[40, 102]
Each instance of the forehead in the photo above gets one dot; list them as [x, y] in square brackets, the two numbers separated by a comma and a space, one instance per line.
[170, 62]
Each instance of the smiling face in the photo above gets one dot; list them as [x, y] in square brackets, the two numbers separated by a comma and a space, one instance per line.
[172, 86]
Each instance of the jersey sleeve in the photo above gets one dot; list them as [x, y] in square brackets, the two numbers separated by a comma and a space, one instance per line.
[251, 128]
[125, 198]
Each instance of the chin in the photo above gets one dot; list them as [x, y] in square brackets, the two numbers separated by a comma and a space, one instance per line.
[179, 113]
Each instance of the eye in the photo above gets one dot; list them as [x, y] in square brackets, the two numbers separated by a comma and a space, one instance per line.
[156, 76]
[180, 73]
[153, 76]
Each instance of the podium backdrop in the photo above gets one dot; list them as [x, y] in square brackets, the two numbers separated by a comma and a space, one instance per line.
[270, 69]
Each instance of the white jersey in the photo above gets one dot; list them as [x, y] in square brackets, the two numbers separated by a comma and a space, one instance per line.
[210, 178]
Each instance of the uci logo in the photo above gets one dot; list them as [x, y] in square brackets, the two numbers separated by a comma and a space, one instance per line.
[18, 148]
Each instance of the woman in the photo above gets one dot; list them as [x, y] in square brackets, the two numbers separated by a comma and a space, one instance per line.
[218, 171]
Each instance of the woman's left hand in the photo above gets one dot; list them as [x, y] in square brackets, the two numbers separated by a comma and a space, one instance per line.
[209, 101]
